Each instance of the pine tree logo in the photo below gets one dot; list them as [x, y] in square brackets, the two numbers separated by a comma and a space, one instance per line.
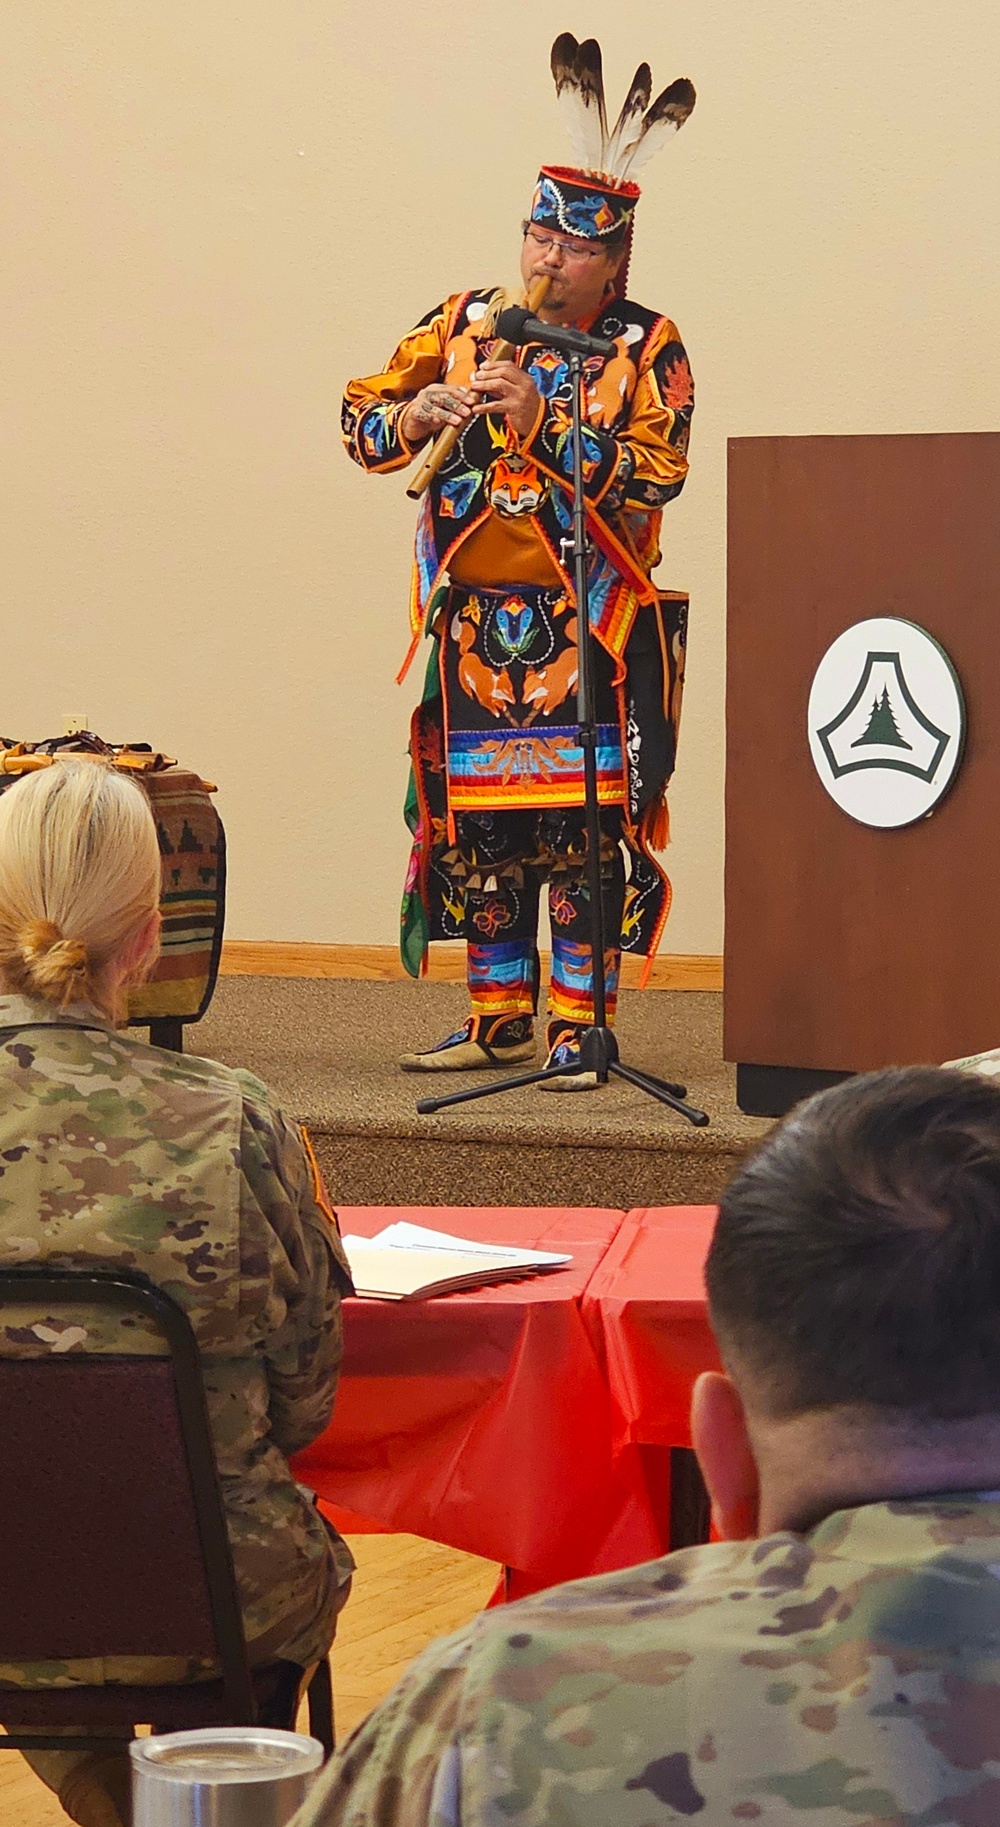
[882, 726]
[886, 722]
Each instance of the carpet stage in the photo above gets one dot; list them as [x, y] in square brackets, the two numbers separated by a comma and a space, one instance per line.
[329, 1051]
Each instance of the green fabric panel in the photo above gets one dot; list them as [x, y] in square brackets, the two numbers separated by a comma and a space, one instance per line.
[413, 931]
[414, 925]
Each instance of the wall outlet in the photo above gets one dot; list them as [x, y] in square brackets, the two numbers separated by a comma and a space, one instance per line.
[73, 725]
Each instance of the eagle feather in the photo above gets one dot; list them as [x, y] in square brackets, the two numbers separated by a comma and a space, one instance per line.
[576, 70]
[666, 116]
[626, 127]
[639, 131]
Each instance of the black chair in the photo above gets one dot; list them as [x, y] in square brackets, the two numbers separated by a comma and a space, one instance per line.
[113, 1536]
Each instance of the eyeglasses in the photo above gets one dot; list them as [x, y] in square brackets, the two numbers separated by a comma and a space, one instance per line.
[545, 243]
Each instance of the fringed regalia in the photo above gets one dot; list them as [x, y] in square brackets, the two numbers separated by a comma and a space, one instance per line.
[496, 794]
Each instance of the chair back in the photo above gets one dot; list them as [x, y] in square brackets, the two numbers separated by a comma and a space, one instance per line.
[113, 1536]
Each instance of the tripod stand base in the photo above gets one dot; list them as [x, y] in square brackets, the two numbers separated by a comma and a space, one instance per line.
[598, 1054]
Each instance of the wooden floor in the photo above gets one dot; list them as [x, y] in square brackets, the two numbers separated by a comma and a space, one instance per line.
[406, 1593]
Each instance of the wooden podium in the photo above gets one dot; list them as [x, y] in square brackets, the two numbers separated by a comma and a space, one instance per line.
[849, 947]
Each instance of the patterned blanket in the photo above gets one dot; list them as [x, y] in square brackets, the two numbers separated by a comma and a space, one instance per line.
[193, 848]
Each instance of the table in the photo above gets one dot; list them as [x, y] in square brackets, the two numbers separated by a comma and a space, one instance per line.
[645, 1308]
[481, 1420]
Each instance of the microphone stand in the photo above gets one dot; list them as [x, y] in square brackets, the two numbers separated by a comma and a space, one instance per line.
[598, 1044]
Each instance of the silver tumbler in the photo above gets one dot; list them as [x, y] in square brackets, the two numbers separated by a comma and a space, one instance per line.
[232, 1776]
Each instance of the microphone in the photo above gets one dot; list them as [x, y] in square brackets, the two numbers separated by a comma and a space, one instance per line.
[516, 325]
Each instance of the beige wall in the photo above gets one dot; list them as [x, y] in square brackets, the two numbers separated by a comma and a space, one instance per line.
[212, 214]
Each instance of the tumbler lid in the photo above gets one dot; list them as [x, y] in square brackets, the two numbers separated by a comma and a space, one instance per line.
[226, 1754]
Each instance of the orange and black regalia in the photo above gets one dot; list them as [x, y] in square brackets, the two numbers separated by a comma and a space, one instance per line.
[496, 799]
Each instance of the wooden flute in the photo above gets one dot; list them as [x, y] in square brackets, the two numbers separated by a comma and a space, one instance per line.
[447, 437]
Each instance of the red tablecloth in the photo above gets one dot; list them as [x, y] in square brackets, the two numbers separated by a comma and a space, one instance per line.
[646, 1312]
[480, 1420]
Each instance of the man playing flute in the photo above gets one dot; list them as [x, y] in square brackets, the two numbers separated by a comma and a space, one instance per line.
[496, 799]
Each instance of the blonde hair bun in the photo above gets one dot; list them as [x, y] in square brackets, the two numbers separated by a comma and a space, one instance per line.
[53, 965]
[78, 856]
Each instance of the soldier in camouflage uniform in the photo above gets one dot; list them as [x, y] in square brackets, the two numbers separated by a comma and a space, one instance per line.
[842, 1664]
[117, 1153]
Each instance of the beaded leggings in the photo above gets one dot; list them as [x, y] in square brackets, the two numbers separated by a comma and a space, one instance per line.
[501, 861]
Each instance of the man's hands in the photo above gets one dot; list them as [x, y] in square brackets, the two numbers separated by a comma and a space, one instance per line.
[511, 391]
[504, 388]
[433, 408]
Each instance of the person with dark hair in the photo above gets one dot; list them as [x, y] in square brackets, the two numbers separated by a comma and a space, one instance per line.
[836, 1656]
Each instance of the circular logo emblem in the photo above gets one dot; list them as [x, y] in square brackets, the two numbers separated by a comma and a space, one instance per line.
[886, 722]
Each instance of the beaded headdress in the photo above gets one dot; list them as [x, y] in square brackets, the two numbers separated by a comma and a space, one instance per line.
[596, 199]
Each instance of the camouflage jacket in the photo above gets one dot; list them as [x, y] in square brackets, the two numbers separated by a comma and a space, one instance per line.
[115, 1152]
[851, 1675]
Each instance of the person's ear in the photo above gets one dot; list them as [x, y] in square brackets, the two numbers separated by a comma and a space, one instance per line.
[143, 943]
[722, 1444]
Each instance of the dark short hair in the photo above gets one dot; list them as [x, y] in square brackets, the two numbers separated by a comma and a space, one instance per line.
[614, 242]
[857, 1255]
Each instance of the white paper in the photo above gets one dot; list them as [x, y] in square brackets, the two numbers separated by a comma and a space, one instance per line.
[404, 1236]
[383, 1272]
